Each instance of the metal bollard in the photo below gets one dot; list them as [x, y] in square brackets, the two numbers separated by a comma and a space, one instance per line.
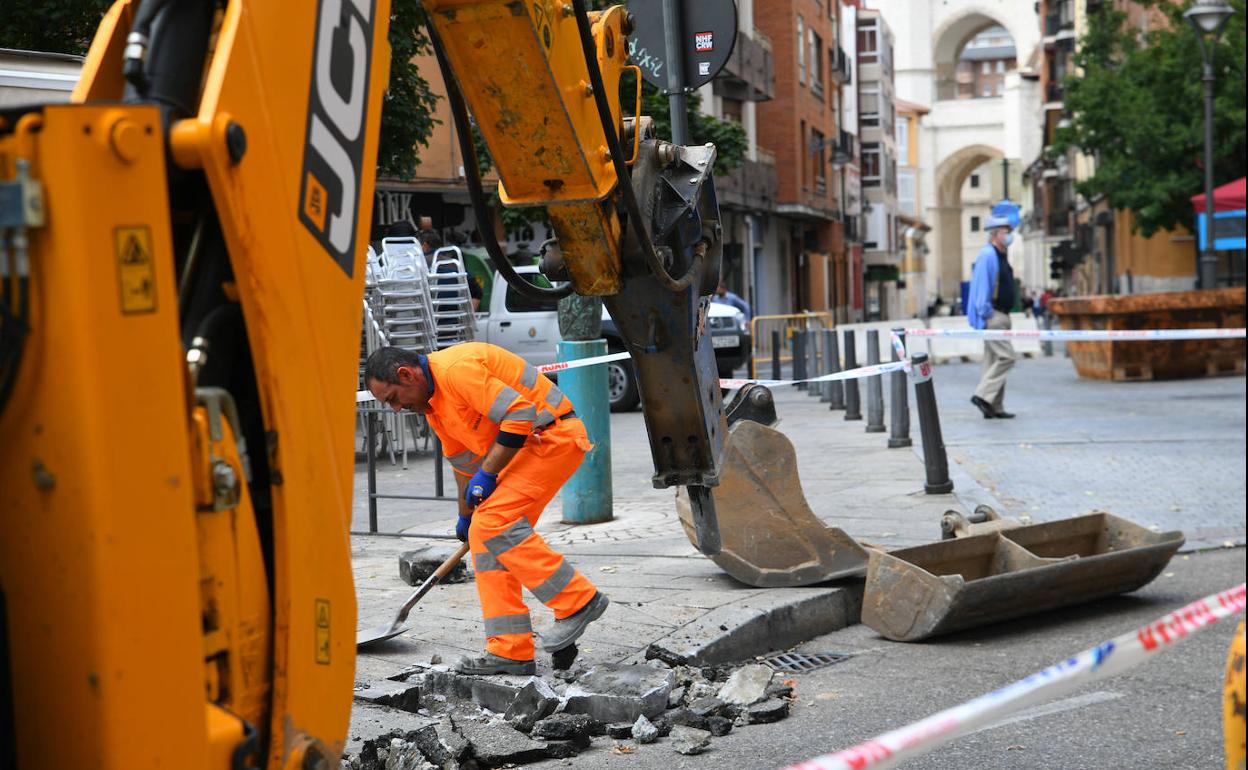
[875, 386]
[825, 387]
[814, 360]
[799, 358]
[775, 355]
[836, 388]
[934, 458]
[853, 404]
[899, 408]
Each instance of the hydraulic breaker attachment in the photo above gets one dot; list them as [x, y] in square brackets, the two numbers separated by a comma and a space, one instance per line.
[1008, 571]
[770, 536]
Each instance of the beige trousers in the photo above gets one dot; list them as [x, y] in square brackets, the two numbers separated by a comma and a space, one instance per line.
[999, 358]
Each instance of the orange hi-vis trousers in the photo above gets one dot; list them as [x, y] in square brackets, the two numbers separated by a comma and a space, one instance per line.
[507, 553]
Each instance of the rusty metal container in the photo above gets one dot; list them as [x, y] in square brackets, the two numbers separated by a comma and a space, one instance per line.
[1200, 309]
[928, 590]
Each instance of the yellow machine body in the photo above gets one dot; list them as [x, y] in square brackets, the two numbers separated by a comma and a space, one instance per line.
[145, 628]
[522, 70]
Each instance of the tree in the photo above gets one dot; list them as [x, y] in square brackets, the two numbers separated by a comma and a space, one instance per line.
[1136, 105]
[66, 26]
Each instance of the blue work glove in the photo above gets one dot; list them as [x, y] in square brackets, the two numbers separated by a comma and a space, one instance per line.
[479, 487]
[461, 528]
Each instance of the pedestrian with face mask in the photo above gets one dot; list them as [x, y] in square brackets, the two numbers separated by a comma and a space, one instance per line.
[989, 302]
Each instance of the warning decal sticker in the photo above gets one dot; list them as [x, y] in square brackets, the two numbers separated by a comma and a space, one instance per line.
[136, 272]
[322, 631]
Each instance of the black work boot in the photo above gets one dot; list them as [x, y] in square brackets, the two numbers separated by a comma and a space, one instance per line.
[489, 664]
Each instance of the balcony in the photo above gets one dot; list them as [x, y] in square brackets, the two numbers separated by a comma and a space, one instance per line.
[749, 75]
[1053, 93]
[844, 152]
[1057, 223]
[840, 67]
[751, 186]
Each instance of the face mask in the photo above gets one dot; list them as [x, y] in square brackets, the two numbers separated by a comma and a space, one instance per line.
[1009, 238]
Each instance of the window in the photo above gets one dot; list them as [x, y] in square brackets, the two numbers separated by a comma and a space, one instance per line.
[903, 141]
[732, 109]
[820, 161]
[1000, 66]
[987, 89]
[868, 42]
[986, 68]
[869, 106]
[801, 51]
[805, 157]
[871, 164]
[816, 61]
[974, 181]
[974, 224]
[906, 193]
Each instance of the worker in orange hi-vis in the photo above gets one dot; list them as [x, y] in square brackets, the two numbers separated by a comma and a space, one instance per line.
[513, 440]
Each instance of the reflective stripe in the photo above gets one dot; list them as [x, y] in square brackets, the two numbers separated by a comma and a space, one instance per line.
[554, 398]
[555, 583]
[508, 624]
[523, 414]
[503, 400]
[510, 538]
[544, 419]
[528, 377]
[464, 461]
[485, 561]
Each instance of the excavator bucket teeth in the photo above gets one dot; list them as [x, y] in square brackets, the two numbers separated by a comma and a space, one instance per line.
[770, 537]
[920, 592]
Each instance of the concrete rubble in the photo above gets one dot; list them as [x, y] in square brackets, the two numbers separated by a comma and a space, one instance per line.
[417, 565]
[430, 717]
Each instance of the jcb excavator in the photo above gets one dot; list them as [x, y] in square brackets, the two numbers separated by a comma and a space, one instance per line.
[181, 261]
[182, 264]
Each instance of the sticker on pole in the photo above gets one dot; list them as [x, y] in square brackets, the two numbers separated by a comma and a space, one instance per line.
[707, 34]
[921, 371]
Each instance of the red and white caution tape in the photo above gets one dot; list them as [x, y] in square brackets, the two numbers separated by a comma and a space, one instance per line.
[1081, 335]
[1106, 659]
[873, 370]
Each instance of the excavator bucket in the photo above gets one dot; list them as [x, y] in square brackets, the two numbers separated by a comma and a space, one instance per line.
[770, 536]
[999, 570]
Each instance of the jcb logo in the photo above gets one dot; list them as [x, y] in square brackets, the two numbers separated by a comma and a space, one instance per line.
[333, 148]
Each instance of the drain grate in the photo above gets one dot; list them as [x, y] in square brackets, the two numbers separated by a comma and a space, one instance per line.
[801, 662]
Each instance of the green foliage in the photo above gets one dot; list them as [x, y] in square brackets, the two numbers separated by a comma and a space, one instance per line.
[407, 107]
[728, 136]
[1137, 106]
[63, 26]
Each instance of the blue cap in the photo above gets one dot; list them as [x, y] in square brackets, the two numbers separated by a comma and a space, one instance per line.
[995, 221]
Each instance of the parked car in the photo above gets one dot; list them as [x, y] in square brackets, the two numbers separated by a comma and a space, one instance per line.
[530, 328]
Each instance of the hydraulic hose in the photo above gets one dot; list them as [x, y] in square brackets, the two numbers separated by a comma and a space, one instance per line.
[589, 49]
[472, 173]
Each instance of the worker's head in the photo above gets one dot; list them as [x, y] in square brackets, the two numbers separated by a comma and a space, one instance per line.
[721, 289]
[430, 242]
[1000, 231]
[395, 378]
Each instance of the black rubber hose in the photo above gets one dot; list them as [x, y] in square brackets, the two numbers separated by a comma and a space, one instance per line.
[472, 173]
[17, 329]
[589, 49]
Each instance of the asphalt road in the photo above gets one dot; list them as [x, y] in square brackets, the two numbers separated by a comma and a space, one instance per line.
[1165, 713]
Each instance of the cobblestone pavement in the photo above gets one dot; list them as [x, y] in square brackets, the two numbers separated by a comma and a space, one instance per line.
[1168, 454]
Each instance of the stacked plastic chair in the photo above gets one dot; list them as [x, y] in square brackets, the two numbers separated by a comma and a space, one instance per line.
[452, 301]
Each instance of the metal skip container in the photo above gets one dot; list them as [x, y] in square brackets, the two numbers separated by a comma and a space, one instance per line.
[1000, 570]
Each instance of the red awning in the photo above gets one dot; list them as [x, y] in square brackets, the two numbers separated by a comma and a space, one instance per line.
[1228, 197]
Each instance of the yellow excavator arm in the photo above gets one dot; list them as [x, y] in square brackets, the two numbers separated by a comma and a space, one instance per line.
[181, 266]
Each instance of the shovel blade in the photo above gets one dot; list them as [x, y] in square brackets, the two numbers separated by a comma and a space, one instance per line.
[378, 634]
[770, 537]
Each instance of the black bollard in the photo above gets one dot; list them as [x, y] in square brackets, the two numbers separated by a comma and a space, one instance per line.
[799, 357]
[825, 387]
[899, 408]
[836, 389]
[934, 457]
[875, 386]
[814, 361]
[775, 355]
[853, 405]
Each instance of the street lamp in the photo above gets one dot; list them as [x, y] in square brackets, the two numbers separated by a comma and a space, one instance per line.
[1207, 18]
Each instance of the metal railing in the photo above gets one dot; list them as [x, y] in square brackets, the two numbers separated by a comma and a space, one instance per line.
[764, 327]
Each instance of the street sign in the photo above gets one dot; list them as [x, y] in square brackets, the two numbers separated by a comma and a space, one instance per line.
[707, 35]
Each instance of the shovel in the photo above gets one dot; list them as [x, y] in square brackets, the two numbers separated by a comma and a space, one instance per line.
[391, 630]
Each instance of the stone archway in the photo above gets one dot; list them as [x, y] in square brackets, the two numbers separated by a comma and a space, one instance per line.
[958, 28]
[951, 173]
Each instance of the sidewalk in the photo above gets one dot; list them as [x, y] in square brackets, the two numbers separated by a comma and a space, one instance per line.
[657, 581]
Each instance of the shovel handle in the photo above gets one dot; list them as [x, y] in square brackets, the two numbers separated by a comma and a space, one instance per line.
[431, 581]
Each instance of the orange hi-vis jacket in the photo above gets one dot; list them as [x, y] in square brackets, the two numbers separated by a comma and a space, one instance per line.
[481, 389]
